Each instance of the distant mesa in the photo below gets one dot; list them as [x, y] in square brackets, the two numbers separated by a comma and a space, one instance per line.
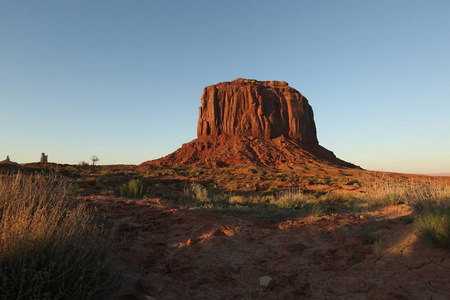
[7, 161]
[250, 122]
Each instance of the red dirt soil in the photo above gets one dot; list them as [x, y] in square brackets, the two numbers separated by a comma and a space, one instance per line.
[181, 253]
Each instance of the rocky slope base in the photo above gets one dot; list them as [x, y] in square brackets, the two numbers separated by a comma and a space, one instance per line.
[232, 151]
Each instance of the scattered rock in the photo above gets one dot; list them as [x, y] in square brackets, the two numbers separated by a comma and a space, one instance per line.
[266, 281]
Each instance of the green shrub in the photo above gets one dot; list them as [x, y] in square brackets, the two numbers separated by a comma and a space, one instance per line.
[133, 189]
[50, 246]
[434, 227]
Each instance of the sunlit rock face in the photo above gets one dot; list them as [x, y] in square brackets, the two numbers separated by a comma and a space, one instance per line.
[251, 108]
[250, 122]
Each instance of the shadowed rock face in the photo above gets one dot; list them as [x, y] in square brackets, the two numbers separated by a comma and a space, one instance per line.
[250, 122]
[250, 108]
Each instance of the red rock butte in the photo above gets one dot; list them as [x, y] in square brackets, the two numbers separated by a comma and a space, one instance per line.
[250, 122]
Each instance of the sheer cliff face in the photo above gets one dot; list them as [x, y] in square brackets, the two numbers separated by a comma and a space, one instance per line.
[250, 122]
[250, 108]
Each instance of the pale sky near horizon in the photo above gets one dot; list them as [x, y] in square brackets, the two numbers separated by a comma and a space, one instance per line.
[122, 79]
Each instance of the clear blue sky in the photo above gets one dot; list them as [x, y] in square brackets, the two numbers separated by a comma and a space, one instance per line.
[123, 79]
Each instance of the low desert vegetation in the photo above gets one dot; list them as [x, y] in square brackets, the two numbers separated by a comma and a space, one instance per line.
[258, 190]
[135, 188]
[421, 196]
[50, 246]
[432, 205]
[198, 196]
[430, 201]
[434, 227]
[199, 193]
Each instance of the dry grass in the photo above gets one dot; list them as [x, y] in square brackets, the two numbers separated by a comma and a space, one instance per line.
[434, 227]
[420, 195]
[430, 200]
[432, 205]
[314, 188]
[50, 247]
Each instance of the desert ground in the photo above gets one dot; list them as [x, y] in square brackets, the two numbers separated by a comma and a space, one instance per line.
[185, 254]
[253, 237]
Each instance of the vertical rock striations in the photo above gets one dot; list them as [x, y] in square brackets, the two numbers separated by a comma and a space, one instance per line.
[250, 122]
[250, 108]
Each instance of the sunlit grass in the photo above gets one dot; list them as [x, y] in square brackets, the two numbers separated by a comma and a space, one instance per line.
[434, 227]
[50, 248]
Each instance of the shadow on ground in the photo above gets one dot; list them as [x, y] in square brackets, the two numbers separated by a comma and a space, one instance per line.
[186, 254]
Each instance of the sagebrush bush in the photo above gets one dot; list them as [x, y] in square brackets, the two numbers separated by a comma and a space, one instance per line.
[133, 189]
[199, 192]
[50, 247]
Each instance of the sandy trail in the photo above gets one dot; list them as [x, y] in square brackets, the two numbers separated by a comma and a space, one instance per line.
[185, 254]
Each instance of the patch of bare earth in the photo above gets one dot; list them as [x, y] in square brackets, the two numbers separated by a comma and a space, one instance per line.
[185, 254]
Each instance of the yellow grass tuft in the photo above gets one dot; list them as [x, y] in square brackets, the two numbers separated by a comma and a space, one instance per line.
[50, 246]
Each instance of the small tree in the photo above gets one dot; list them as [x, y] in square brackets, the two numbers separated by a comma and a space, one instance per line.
[94, 159]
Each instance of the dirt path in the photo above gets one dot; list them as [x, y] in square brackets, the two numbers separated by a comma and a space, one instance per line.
[186, 254]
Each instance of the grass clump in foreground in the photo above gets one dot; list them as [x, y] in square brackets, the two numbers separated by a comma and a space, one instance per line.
[133, 189]
[431, 203]
[433, 227]
[50, 247]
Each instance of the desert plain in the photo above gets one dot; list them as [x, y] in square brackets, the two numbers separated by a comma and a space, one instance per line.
[255, 208]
